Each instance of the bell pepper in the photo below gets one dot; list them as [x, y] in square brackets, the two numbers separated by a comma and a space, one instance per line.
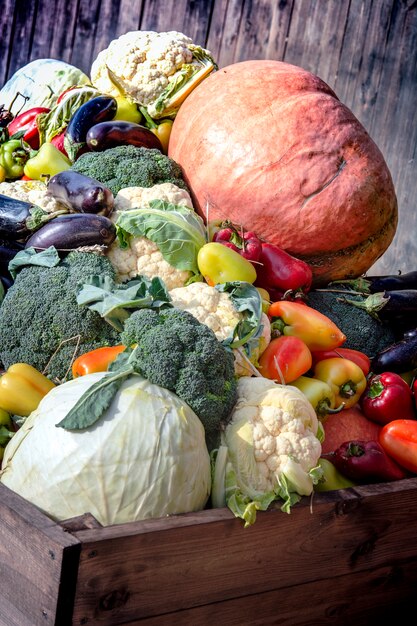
[162, 129]
[360, 358]
[366, 461]
[279, 271]
[414, 388]
[300, 320]
[26, 122]
[22, 387]
[47, 162]
[97, 360]
[387, 397]
[219, 264]
[6, 431]
[399, 440]
[247, 244]
[345, 378]
[332, 479]
[13, 156]
[285, 359]
[319, 394]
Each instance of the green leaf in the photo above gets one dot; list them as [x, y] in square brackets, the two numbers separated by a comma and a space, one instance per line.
[178, 231]
[29, 256]
[95, 401]
[247, 300]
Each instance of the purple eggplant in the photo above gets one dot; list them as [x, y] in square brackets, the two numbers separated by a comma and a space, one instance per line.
[72, 231]
[80, 193]
[400, 357]
[98, 109]
[117, 132]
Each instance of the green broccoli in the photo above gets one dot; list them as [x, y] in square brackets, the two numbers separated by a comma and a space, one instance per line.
[40, 312]
[363, 332]
[174, 350]
[129, 166]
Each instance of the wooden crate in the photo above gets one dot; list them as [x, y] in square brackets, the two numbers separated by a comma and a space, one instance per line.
[342, 557]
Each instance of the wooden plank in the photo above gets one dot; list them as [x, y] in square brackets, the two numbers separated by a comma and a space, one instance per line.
[22, 35]
[6, 37]
[38, 565]
[190, 18]
[121, 574]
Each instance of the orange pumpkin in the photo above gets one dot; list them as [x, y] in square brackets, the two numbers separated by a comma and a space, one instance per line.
[269, 146]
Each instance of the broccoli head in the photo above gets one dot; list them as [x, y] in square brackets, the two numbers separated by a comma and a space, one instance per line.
[175, 351]
[129, 166]
[41, 322]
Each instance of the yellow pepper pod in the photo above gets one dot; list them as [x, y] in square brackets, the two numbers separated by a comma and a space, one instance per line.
[47, 162]
[319, 394]
[22, 388]
[345, 378]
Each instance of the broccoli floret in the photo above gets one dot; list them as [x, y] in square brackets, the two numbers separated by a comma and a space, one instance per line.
[129, 166]
[175, 351]
[363, 332]
[40, 311]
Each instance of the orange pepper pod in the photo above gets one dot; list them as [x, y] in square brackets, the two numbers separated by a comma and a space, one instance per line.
[345, 378]
[22, 388]
[97, 360]
[300, 320]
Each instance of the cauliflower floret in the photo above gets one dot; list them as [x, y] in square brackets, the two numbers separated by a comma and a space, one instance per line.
[33, 191]
[133, 197]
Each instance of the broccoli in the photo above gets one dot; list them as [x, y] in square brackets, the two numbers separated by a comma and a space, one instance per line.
[363, 332]
[40, 311]
[175, 351]
[129, 166]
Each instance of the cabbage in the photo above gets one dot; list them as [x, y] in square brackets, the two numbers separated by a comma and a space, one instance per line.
[145, 458]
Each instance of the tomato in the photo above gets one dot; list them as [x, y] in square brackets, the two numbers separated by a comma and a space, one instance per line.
[360, 358]
[285, 359]
[399, 440]
[220, 264]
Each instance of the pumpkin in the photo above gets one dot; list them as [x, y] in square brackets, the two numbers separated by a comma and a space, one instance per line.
[270, 147]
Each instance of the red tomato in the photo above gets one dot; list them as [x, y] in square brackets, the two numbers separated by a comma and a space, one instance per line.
[399, 440]
[360, 358]
[285, 359]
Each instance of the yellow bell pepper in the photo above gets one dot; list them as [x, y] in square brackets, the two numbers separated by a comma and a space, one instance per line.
[22, 388]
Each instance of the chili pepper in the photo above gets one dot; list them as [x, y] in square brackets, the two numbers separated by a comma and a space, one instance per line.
[220, 264]
[366, 461]
[96, 360]
[26, 122]
[285, 359]
[13, 156]
[247, 244]
[387, 397]
[345, 378]
[360, 358]
[399, 440]
[47, 162]
[332, 479]
[319, 394]
[301, 320]
[281, 271]
[22, 387]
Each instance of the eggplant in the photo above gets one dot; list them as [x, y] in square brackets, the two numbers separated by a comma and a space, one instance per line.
[7, 282]
[72, 231]
[80, 193]
[412, 332]
[14, 215]
[392, 282]
[98, 109]
[117, 132]
[400, 357]
[387, 305]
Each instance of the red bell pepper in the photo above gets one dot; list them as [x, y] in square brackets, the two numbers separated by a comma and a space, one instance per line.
[399, 440]
[414, 387]
[365, 461]
[58, 141]
[247, 244]
[387, 397]
[26, 122]
[360, 358]
[280, 272]
[285, 359]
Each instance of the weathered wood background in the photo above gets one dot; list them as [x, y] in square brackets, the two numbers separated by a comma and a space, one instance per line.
[366, 50]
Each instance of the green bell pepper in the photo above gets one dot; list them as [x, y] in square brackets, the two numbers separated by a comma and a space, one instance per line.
[13, 156]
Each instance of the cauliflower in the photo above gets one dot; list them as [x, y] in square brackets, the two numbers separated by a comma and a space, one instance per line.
[270, 449]
[34, 192]
[156, 70]
[133, 197]
[217, 311]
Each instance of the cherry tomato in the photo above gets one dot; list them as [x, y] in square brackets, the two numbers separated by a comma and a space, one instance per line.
[285, 359]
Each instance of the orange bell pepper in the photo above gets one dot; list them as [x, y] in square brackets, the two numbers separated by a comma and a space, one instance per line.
[300, 320]
[345, 378]
[285, 359]
[22, 388]
[96, 360]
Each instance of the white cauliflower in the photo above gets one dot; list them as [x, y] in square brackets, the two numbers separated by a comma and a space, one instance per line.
[156, 70]
[270, 450]
[34, 192]
[216, 310]
[143, 256]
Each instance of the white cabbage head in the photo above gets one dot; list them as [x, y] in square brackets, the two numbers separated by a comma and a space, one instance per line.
[146, 457]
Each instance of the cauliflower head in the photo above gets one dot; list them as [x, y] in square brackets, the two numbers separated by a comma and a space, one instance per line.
[145, 65]
[34, 192]
[133, 197]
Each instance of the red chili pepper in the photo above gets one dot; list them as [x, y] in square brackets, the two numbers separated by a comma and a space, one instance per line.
[365, 461]
[26, 121]
[399, 440]
[387, 397]
[58, 142]
[280, 271]
[356, 356]
[247, 244]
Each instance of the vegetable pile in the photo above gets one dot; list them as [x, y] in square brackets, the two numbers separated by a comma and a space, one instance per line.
[165, 345]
